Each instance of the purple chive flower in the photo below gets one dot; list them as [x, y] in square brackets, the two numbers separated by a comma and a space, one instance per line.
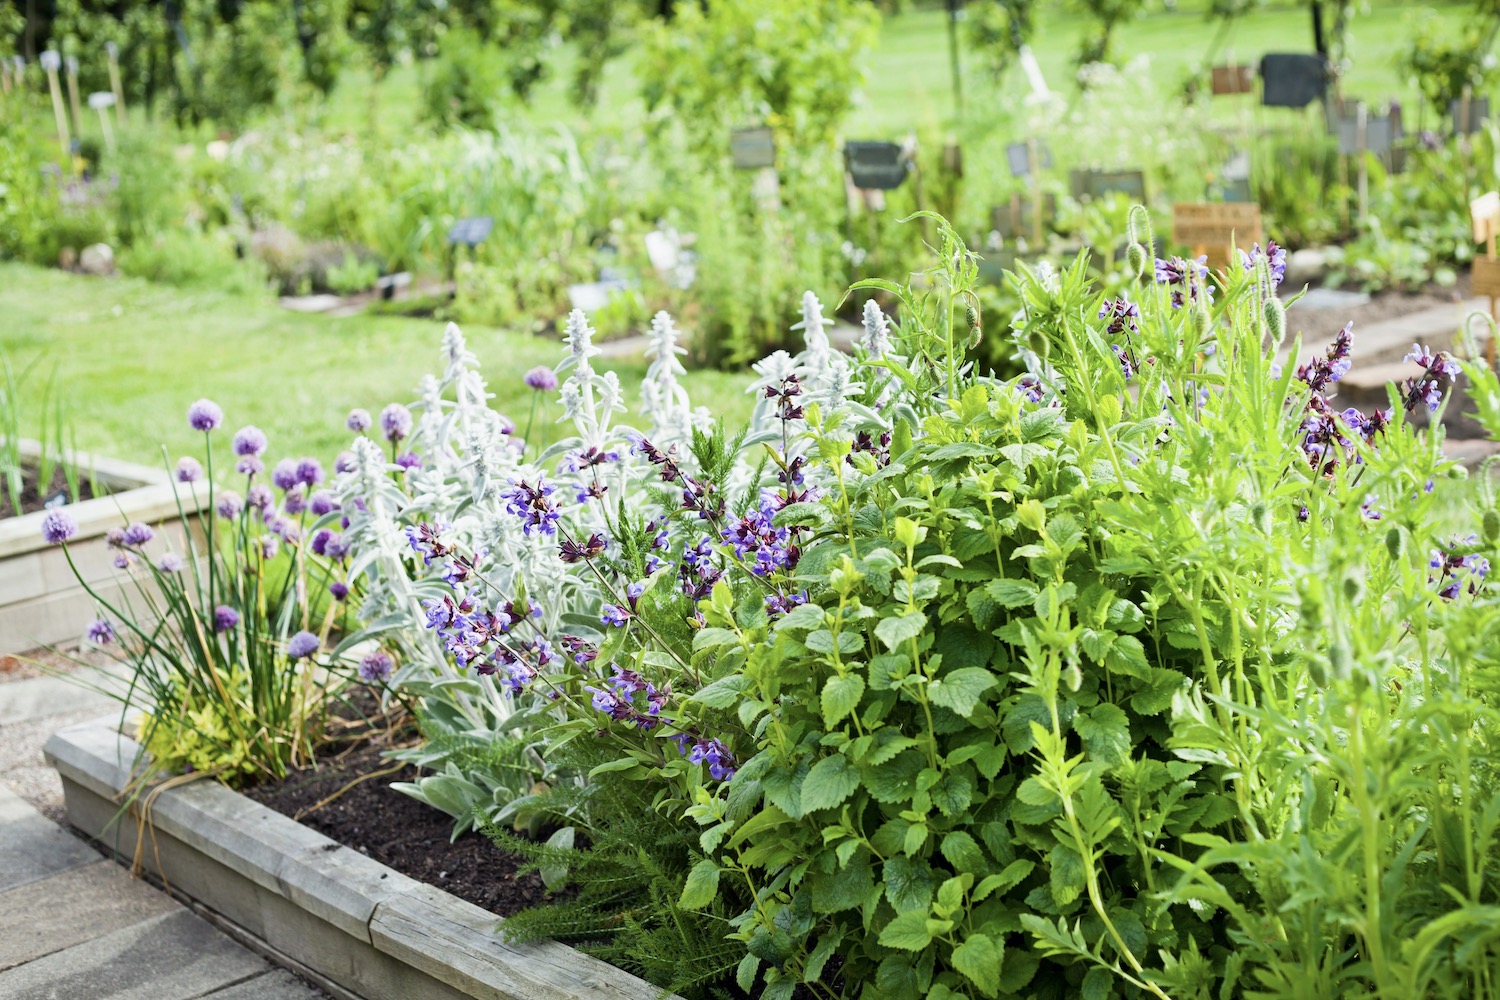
[295, 501]
[225, 618]
[285, 474]
[170, 563]
[322, 502]
[100, 632]
[301, 646]
[137, 534]
[249, 466]
[229, 506]
[409, 460]
[269, 546]
[122, 560]
[395, 422]
[58, 526]
[358, 421]
[339, 590]
[189, 470]
[259, 497]
[309, 472]
[345, 462]
[205, 415]
[249, 442]
[376, 668]
[542, 379]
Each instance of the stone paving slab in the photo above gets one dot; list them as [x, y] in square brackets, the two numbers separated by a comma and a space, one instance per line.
[41, 697]
[32, 847]
[174, 956]
[1389, 340]
[55, 913]
[278, 984]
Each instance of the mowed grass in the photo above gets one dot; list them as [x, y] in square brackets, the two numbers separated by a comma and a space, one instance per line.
[130, 356]
[909, 76]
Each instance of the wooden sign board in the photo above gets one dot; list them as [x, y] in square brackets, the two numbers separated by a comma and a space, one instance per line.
[876, 166]
[752, 148]
[1097, 183]
[1233, 80]
[1216, 228]
[1484, 212]
[1486, 276]
[1018, 155]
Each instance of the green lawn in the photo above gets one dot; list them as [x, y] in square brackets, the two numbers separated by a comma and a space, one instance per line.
[131, 356]
[909, 78]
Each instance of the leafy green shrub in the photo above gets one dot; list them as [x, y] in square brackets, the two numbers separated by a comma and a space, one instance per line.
[466, 82]
[184, 257]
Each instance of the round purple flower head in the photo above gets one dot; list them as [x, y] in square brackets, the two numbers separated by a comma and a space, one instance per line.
[339, 590]
[230, 506]
[250, 466]
[309, 471]
[285, 474]
[409, 460]
[269, 546]
[137, 534]
[169, 563]
[376, 668]
[359, 421]
[259, 497]
[296, 500]
[395, 422]
[542, 379]
[189, 470]
[205, 415]
[345, 462]
[322, 502]
[249, 441]
[100, 632]
[225, 618]
[301, 645]
[58, 526]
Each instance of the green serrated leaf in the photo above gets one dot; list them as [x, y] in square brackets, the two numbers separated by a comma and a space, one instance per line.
[907, 931]
[960, 690]
[894, 631]
[829, 783]
[841, 697]
[979, 958]
[701, 886]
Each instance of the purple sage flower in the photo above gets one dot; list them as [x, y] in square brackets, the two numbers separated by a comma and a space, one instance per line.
[542, 379]
[58, 526]
[205, 415]
[301, 646]
[225, 618]
[249, 441]
[395, 422]
[376, 668]
[189, 470]
[358, 421]
[100, 632]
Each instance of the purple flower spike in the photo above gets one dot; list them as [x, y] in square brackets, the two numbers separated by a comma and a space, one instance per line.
[376, 668]
[100, 632]
[249, 442]
[189, 470]
[225, 618]
[395, 422]
[57, 527]
[359, 421]
[542, 379]
[301, 646]
[205, 415]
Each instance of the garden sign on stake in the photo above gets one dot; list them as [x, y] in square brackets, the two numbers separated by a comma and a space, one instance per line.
[1361, 133]
[1484, 212]
[52, 62]
[1213, 229]
[113, 52]
[1028, 159]
[755, 149]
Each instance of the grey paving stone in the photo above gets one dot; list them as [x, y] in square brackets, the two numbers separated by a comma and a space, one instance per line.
[54, 913]
[40, 697]
[175, 956]
[277, 984]
[33, 847]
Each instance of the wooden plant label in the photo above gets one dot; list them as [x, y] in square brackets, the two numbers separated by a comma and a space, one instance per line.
[1486, 276]
[1215, 228]
[1484, 212]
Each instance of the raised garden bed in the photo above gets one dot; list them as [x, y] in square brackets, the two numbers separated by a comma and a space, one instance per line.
[330, 910]
[41, 602]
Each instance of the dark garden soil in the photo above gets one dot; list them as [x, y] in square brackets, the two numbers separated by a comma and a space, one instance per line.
[397, 830]
[34, 498]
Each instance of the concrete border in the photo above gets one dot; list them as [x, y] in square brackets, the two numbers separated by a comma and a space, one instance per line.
[376, 933]
[41, 601]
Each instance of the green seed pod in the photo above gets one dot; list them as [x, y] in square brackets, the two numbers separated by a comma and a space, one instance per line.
[1136, 259]
[1354, 586]
[1276, 319]
[971, 317]
[1318, 671]
[1492, 526]
[1260, 516]
[1040, 345]
[1395, 543]
[1340, 659]
[1203, 321]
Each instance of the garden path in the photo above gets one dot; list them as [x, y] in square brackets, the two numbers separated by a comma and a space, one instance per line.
[76, 926]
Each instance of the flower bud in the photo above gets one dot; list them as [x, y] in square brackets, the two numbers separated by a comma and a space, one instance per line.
[1260, 516]
[1491, 526]
[1203, 321]
[1353, 585]
[1275, 314]
[1340, 659]
[971, 317]
[1040, 345]
[1395, 543]
[1136, 259]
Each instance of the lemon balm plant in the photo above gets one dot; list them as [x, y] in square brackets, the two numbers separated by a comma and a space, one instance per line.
[222, 627]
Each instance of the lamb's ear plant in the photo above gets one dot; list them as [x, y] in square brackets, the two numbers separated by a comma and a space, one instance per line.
[223, 621]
